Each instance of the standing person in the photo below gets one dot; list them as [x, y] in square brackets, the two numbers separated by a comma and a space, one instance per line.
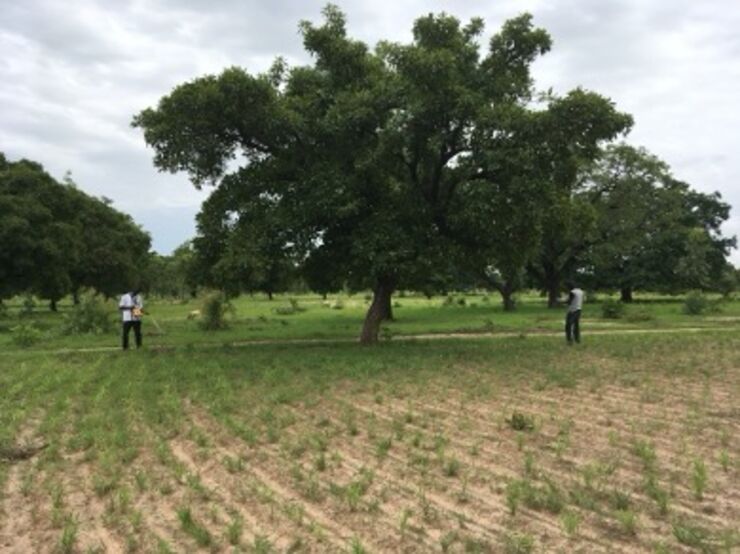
[573, 317]
[132, 308]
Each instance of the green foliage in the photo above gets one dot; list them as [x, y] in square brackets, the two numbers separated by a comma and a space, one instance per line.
[214, 309]
[692, 535]
[193, 528]
[91, 315]
[25, 335]
[55, 239]
[358, 188]
[612, 309]
[696, 303]
[518, 543]
[699, 479]
[521, 422]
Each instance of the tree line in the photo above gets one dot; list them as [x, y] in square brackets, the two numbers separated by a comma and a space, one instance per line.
[421, 165]
[55, 240]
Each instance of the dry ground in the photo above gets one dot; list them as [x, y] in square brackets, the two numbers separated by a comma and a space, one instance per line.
[632, 462]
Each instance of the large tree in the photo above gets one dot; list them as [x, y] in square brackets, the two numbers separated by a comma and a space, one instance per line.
[363, 158]
[653, 231]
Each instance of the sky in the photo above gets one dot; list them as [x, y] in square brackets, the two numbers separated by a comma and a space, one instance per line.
[73, 74]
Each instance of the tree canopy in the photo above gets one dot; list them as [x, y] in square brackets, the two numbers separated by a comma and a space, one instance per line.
[55, 239]
[380, 167]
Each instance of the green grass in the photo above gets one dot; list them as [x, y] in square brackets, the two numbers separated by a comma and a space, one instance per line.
[257, 318]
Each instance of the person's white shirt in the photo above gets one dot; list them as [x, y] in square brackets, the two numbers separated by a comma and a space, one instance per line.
[576, 300]
[130, 301]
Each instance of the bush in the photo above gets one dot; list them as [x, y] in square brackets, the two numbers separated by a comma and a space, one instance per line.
[213, 311]
[695, 304]
[639, 315]
[29, 304]
[91, 315]
[25, 335]
[337, 304]
[612, 309]
[294, 308]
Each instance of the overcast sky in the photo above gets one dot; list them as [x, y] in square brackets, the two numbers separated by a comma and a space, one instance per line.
[73, 73]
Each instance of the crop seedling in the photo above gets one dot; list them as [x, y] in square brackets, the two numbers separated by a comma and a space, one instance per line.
[570, 521]
[69, 536]
[403, 522]
[451, 467]
[521, 422]
[320, 462]
[724, 460]
[518, 543]
[627, 520]
[356, 547]
[691, 535]
[699, 479]
[262, 545]
[234, 530]
[193, 528]
[382, 448]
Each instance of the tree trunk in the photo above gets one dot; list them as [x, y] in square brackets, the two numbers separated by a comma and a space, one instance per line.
[626, 294]
[76, 297]
[381, 300]
[269, 295]
[553, 295]
[53, 305]
[387, 309]
[507, 295]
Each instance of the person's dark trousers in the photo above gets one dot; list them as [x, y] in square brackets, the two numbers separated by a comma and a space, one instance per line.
[127, 326]
[573, 326]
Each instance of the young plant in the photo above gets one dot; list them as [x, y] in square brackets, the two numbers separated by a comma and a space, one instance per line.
[627, 521]
[699, 479]
[193, 528]
[570, 521]
[518, 543]
[234, 530]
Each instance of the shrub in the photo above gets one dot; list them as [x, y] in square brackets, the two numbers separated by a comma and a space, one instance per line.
[612, 309]
[294, 308]
[695, 304]
[213, 311]
[637, 316]
[25, 335]
[337, 304]
[28, 305]
[91, 315]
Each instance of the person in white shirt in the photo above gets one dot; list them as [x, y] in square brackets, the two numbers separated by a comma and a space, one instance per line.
[573, 317]
[131, 307]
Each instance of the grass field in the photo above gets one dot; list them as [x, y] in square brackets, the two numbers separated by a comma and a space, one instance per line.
[505, 443]
[256, 318]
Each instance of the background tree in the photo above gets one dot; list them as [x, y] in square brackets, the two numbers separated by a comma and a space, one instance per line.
[364, 158]
[527, 171]
[654, 232]
[46, 244]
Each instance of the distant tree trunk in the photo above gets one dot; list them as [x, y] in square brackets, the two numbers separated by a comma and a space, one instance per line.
[381, 299]
[269, 295]
[626, 294]
[552, 283]
[387, 309]
[507, 295]
[53, 305]
[76, 297]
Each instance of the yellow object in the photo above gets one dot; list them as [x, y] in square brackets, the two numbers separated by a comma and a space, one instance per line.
[137, 312]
